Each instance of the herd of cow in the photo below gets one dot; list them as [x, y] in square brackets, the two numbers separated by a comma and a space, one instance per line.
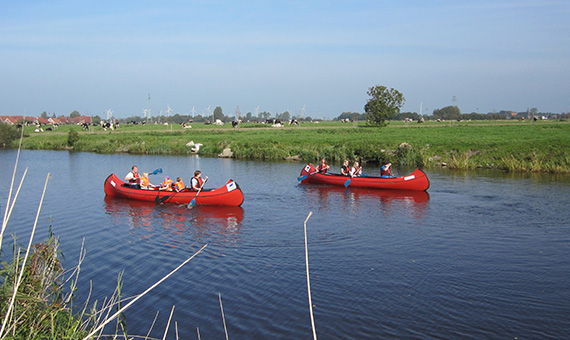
[115, 125]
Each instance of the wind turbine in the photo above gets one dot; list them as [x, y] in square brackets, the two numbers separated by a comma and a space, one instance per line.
[208, 112]
[148, 110]
[303, 112]
[146, 114]
[109, 114]
[257, 111]
[238, 114]
[193, 111]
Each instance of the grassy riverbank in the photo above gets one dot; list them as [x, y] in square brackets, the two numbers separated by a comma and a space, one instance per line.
[542, 146]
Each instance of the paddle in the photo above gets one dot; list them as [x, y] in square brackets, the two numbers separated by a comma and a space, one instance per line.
[347, 183]
[158, 200]
[156, 172]
[301, 178]
[193, 201]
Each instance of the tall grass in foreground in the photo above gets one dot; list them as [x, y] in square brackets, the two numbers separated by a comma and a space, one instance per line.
[37, 293]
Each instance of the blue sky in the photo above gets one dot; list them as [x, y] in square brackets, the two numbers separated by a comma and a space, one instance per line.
[90, 56]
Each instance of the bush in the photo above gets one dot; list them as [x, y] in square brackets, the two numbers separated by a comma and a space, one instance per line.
[72, 137]
[8, 134]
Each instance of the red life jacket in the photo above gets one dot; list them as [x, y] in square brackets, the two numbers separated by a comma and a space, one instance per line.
[322, 168]
[200, 182]
[345, 170]
[385, 171]
[135, 179]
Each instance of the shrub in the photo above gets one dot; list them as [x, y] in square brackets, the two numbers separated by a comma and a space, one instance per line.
[72, 137]
[8, 134]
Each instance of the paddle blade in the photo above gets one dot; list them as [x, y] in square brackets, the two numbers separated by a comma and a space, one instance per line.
[301, 178]
[156, 172]
[347, 183]
[192, 203]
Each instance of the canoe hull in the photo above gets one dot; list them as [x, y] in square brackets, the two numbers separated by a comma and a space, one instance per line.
[228, 195]
[417, 180]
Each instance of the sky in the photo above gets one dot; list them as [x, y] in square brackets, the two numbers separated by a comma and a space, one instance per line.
[310, 58]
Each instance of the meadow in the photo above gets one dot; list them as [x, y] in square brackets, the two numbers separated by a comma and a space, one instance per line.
[515, 146]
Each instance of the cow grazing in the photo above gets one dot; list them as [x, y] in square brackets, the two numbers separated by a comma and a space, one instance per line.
[108, 125]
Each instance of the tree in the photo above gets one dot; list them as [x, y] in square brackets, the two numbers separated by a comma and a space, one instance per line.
[284, 117]
[8, 134]
[383, 104]
[218, 113]
[74, 114]
[447, 113]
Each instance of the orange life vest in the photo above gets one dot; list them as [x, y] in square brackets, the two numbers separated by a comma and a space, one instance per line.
[167, 184]
[179, 186]
[145, 182]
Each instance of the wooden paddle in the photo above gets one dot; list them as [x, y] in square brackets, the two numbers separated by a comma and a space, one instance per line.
[193, 201]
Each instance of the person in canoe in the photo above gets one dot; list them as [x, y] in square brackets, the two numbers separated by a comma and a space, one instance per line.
[179, 185]
[197, 181]
[166, 184]
[133, 177]
[356, 170]
[323, 167]
[345, 168]
[385, 170]
[145, 182]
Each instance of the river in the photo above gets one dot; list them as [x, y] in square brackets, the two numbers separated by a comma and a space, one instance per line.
[481, 255]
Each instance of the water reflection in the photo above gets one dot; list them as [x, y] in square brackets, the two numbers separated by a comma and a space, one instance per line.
[392, 200]
[175, 223]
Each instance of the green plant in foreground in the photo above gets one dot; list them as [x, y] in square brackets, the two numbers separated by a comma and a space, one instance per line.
[42, 310]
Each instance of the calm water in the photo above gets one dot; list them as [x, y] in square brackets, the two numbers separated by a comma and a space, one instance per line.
[480, 256]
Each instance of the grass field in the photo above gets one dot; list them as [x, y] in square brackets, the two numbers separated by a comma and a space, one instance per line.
[541, 146]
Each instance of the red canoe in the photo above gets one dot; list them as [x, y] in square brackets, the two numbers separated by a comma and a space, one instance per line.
[417, 180]
[229, 195]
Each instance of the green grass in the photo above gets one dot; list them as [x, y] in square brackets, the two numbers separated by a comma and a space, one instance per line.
[508, 145]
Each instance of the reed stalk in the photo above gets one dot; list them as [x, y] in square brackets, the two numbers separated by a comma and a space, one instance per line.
[223, 316]
[23, 267]
[168, 323]
[111, 318]
[308, 280]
